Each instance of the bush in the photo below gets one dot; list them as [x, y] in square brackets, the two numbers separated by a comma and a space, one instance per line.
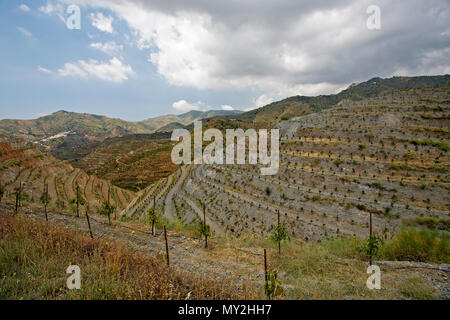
[429, 222]
[418, 245]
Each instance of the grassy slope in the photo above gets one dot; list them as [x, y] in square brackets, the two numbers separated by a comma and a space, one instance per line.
[34, 257]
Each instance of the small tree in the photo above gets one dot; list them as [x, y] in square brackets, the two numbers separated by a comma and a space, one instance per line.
[205, 231]
[273, 286]
[153, 217]
[107, 209]
[280, 234]
[18, 194]
[45, 200]
[371, 246]
[76, 203]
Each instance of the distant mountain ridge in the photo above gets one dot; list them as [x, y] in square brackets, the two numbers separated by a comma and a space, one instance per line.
[301, 105]
[185, 118]
[70, 136]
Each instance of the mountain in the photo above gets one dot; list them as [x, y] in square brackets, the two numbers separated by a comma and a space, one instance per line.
[185, 118]
[170, 127]
[71, 136]
[91, 127]
[301, 105]
[386, 155]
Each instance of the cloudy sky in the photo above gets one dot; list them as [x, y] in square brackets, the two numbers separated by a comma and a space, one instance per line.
[136, 59]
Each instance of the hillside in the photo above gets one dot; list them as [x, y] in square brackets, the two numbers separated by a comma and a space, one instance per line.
[25, 165]
[131, 162]
[185, 118]
[302, 105]
[72, 136]
[88, 126]
[387, 155]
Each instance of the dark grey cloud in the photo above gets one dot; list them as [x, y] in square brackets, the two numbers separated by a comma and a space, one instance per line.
[287, 47]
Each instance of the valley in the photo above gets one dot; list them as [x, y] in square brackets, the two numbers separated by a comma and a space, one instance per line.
[382, 155]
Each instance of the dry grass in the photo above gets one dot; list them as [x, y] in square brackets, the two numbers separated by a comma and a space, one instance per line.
[335, 269]
[34, 257]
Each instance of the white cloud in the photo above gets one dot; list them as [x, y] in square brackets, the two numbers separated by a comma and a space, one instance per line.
[24, 7]
[42, 69]
[25, 32]
[52, 8]
[250, 109]
[226, 107]
[263, 100]
[111, 48]
[113, 71]
[284, 47]
[102, 23]
[183, 105]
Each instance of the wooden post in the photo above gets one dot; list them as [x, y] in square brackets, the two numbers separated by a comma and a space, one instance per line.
[167, 246]
[20, 195]
[154, 213]
[46, 200]
[279, 241]
[78, 202]
[109, 210]
[89, 225]
[265, 271]
[204, 226]
[370, 238]
[17, 201]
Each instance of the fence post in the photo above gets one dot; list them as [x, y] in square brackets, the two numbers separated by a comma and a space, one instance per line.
[78, 202]
[17, 200]
[204, 226]
[109, 210]
[167, 246]
[265, 271]
[370, 237]
[89, 225]
[279, 240]
[46, 201]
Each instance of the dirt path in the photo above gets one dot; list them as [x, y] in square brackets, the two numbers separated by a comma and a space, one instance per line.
[219, 261]
[215, 227]
[169, 204]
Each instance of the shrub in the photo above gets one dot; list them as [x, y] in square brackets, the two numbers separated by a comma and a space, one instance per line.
[418, 245]
[429, 222]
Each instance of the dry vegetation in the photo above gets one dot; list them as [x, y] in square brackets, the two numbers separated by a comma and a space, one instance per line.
[131, 162]
[386, 155]
[23, 165]
[34, 257]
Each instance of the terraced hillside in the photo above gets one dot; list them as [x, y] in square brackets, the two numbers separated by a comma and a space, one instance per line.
[302, 105]
[387, 155]
[132, 162]
[24, 165]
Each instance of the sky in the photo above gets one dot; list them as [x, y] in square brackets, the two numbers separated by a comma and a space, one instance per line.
[136, 59]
